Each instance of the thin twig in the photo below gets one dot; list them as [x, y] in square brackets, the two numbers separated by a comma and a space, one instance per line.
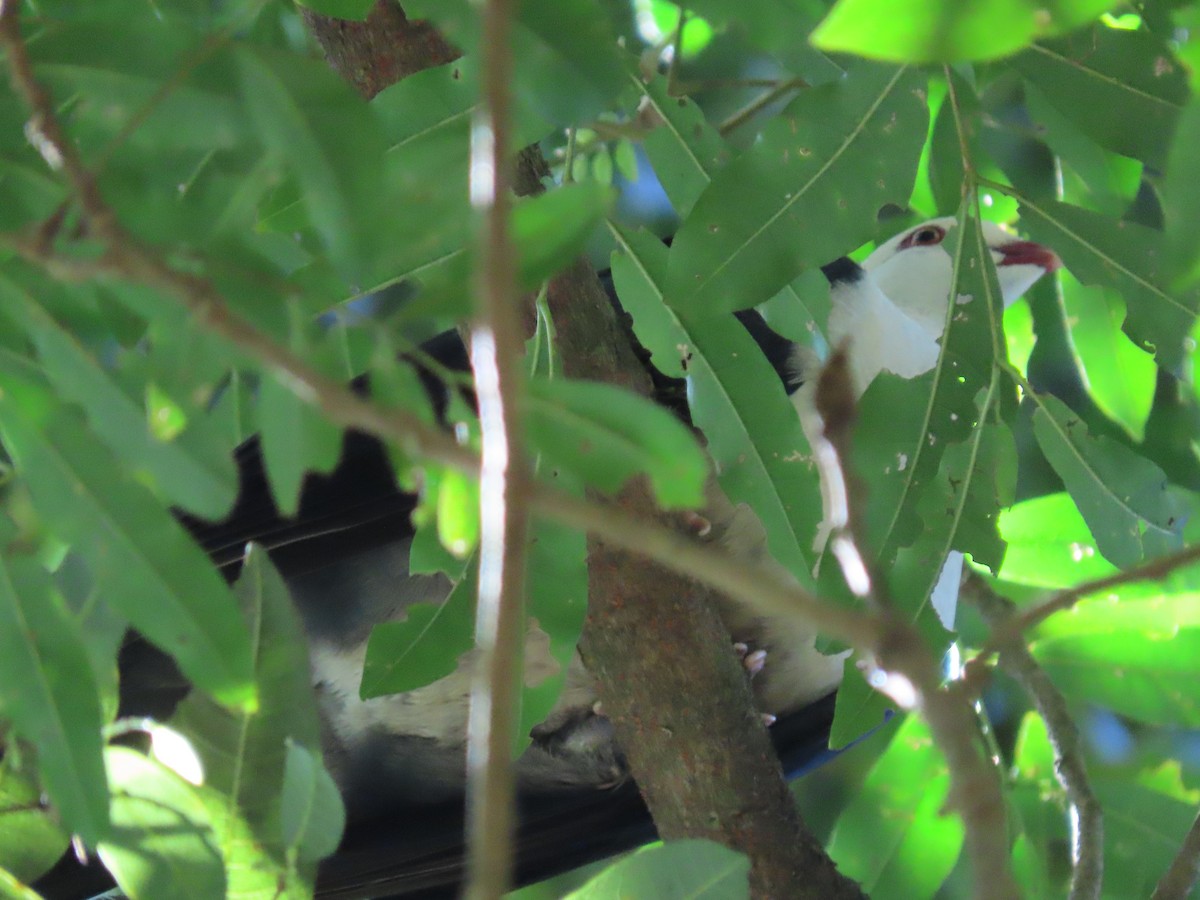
[1177, 882]
[1087, 818]
[504, 482]
[1151, 570]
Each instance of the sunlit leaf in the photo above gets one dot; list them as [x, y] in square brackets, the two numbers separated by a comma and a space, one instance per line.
[923, 31]
[894, 837]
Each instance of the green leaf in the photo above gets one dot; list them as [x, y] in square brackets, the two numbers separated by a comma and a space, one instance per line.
[426, 644]
[1123, 256]
[31, 837]
[680, 870]
[1143, 831]
[296, 439]
[144, 562]
[606, 435]
[1139, 657]
[684, 149]
[1123, 497]
[1123, 89]
[1049, 544]
[925, 31]
[1119, 375]
[162, 835]
[1181, 196]
[355, 10]
[243, 752]
[894, 836]
[48, 693]
[330, 140]
[312, 812]
[556, 593]
[550, 230]
[458, 512]
[754, 435]
[805, 193]
[198, 475]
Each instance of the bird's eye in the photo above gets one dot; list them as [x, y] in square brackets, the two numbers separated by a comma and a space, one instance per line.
[925, 236]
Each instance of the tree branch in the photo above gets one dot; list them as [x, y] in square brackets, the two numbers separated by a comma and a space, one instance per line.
[1087, 821]
[1177, 882]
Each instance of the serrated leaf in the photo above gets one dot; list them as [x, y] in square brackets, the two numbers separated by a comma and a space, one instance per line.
[806, 192]
[606, 435]
[142, 559]
[162, 834]
[925, 31]
[1123, 256]
[894, 837]
[692, 869]
[1124, 89]
[1123, 497]
[48, 693]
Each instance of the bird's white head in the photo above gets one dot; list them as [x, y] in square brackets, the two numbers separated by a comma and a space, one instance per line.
[914, 268]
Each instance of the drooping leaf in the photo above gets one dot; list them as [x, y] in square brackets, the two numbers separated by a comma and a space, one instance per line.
[1123, 497]
[48, 693]
[807, 192]
[893, 837]
[754, 435]
[1124, 89]
[605, 436]
[142, 559]
[311, 808]
[1123, 256]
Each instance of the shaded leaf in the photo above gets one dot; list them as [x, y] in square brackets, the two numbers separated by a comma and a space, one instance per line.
[692, 869]
[311, 808]
[804, 194]
[142, 559]
[606, 435]
[1123, 497]
[48, 693]
[754, 435]
[1123, 89]
[31, 838]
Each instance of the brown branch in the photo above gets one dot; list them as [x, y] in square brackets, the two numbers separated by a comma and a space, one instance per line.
[1177, 882]
[1150, 570]
[974, 783]
[504, 482]
[1087, 820]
